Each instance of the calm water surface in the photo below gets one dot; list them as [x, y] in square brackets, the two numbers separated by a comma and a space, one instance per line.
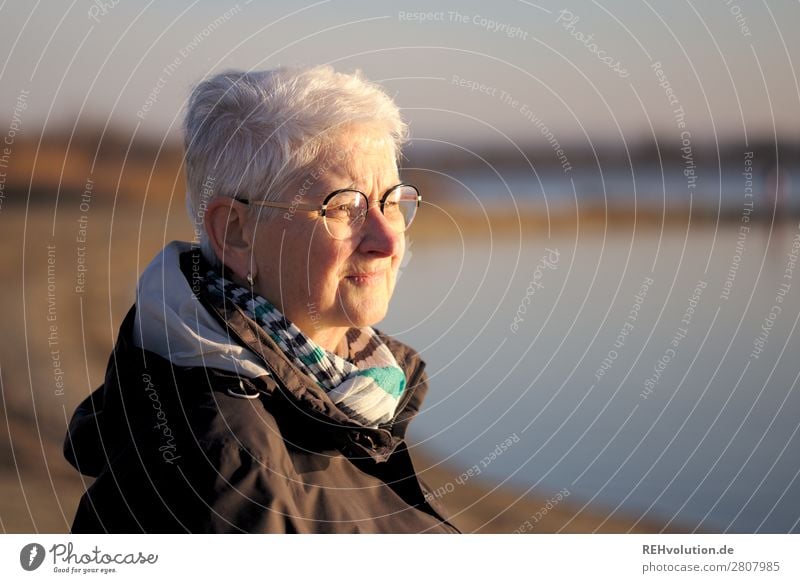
[651, 373]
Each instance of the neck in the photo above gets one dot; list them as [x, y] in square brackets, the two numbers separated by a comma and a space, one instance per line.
[331, 339]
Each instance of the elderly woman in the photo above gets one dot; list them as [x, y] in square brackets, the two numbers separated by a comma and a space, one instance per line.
[247, 391]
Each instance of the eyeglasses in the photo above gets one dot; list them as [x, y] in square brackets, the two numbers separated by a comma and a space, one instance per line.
[345, 211]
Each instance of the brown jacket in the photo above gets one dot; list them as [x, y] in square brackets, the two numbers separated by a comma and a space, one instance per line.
[189, 449]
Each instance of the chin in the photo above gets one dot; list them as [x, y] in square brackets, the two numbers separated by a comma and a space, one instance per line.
[363, 307]
[362, 315]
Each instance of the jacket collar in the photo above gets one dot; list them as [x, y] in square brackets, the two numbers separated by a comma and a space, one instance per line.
[310, 402]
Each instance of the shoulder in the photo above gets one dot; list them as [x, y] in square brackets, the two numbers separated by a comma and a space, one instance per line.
[204, 411]
[230, 414]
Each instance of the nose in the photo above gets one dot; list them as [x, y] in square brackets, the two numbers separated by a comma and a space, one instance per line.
[378, 236]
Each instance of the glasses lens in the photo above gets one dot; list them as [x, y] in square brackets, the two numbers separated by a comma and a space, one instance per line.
[345, 214]
[400, 207]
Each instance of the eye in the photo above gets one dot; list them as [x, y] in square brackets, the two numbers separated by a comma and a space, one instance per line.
[345, 206]
[341, 211]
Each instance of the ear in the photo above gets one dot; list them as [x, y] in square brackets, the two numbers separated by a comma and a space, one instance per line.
[226, 222]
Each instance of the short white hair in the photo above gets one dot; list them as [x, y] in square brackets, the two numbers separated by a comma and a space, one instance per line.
[251, 134]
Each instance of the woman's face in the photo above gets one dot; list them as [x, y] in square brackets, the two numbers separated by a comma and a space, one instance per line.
[320, 283]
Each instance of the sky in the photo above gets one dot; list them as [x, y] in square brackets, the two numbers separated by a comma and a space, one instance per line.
[463, 72]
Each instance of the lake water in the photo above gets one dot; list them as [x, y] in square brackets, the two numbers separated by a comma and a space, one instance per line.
[649, 373]
[644, 185]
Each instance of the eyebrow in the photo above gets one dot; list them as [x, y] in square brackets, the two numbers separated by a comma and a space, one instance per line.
[323, 195]
[351, 186]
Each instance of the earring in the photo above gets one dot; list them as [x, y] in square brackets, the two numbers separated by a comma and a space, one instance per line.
[249, 279]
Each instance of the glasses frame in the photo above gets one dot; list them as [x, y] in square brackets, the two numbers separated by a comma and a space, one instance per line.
[322, 209]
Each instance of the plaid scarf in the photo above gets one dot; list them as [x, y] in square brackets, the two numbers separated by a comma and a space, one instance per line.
[367, 386]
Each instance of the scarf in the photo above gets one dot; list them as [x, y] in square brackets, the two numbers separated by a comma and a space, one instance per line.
[367, 386]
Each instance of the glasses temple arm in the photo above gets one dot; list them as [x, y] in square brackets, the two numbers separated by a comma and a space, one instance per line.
[282, 205]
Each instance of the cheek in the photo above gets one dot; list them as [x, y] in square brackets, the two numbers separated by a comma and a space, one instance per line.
[326, 263]
[286, 264]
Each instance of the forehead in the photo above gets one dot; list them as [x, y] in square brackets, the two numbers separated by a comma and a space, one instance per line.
[361, 155]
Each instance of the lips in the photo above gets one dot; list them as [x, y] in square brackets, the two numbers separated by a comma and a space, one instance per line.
[365, 277]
